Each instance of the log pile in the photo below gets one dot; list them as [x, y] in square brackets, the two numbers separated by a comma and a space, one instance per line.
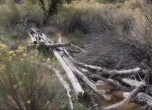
[131, 84]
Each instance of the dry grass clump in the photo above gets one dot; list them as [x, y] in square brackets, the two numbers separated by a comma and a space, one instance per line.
[109, 1]
[25, 85]
[120, 37]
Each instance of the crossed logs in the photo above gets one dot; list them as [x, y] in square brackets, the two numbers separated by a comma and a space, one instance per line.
[103, 81]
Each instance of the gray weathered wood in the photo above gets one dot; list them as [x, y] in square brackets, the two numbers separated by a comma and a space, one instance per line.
[107, 71]
[75, 83]
[112, 82]
[118, 105]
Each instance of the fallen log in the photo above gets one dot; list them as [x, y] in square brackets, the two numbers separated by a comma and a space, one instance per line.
[47, 46]
[112, 82]
[140, 97]
[106, 71]
[75, 83]
[131, 82]
[85, 79]
[144, 98]
[120, 93]
[65, 84]
[81, 75]
[67, 63]
[100, 85]
[118, 105]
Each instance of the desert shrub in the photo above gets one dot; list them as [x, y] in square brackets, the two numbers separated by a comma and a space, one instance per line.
[121, 36]
[141, 33]
[25, 85]
[88, 20]
[23, 88]
[8, 15]
[109, 1]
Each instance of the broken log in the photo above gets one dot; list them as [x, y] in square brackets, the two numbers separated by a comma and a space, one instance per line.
[140, 97]
[81, 75]
[112, 82]
[106, 71]
[118, 105]
[75, 83]
[144, 98]
[120, 93]
[131, 82]
[48, 46]
[85, 79]
[65, 84]
[67, 63]
[100, 85]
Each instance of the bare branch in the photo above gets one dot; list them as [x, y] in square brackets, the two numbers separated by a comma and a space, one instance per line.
[118, 105]
[106, 71]
[131, 82]
[112, 82]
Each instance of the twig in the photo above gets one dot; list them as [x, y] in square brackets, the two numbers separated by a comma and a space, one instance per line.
[78, 48]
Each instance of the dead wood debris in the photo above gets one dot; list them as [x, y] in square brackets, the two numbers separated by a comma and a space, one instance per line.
[100, 79]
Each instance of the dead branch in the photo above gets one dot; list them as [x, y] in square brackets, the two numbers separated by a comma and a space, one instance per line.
[65, 84]
[85, 79]
[75, 83]
[69, 65]
[112, 82]
[41, 38]
[131, 82]
[78, 48]
[118, 105]
[106, 71]
[144, 98]
[100, 85]
[120, 93]
[49, 46]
